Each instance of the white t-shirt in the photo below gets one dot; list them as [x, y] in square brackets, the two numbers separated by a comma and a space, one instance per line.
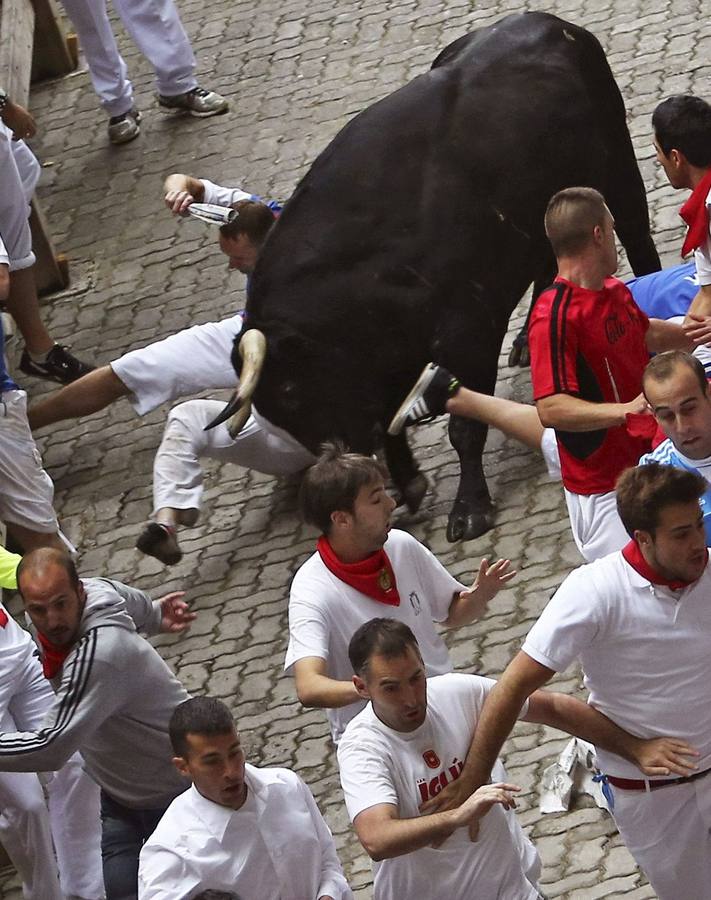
[702, 255]
[324, 613]
[645, 651]
[4, 258]
[379, 765]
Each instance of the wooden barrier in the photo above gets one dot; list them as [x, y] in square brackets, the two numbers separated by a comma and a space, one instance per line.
[33, 46]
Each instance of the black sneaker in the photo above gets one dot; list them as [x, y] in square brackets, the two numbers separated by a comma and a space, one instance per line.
[426, 400]
[60, 365]
[160, 542]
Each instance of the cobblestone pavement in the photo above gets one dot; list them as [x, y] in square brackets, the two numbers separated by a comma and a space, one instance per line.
[296, 72]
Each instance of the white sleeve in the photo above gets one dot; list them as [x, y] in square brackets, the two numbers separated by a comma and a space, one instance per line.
[163, 874]
[4, 258]
[333, 882]
[568, 625]
[365, 777]
[438, 585]
[472, 691]
[222, 196]
[308, 625]
[702, 256]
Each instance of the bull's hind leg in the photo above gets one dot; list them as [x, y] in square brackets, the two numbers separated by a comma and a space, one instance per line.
[409, 481]
[473, 511]
[520, 354]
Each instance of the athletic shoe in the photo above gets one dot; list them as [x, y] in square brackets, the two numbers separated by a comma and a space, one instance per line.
[160, 542]
[125, 128]
[426, 400]
[198, 102]
[59, 365]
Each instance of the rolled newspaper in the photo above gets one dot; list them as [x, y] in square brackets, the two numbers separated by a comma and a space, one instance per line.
[212, 213]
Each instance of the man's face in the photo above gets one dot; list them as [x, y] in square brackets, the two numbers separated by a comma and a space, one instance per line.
[683, 410]
[241, 252]
[677, 549]
[369, 522]
[673, 165]
[397, 688]
[53, 604]
[215, 765]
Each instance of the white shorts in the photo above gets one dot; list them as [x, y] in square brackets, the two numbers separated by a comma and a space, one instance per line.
[193, 360]
[596, 526]
[549, 449]
[20, 171]
[26, 490]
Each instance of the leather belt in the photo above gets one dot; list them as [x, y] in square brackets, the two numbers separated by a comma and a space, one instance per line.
[642, 784]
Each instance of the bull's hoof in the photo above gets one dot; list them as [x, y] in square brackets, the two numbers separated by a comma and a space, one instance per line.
[465, 524]
[525, 357]
[414, 491]
[520, 355]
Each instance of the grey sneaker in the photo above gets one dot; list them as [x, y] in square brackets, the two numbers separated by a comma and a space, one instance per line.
[125, 128]
[198, 102]
[427, 398]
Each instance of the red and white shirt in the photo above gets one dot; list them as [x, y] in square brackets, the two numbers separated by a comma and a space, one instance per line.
[590, 344]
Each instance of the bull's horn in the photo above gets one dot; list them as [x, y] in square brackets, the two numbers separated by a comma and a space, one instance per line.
[233, 405]
[253, 350]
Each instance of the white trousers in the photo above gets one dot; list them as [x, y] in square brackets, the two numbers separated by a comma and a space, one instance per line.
[596, 526]
[28, 829]
[19, 171]
[195, 359]
[668, 832]
[155, 28]
[177, 474]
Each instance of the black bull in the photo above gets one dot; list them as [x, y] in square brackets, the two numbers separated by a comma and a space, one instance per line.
[419, 228]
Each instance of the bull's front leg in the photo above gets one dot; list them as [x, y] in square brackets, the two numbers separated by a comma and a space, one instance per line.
[473, 511]
[411, 484]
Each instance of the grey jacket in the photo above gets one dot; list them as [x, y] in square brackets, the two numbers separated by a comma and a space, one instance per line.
[114, 698]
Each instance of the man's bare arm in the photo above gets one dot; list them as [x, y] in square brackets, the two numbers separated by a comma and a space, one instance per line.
[181, 191]
[385, 835]
[568, 413]
[701, 304]
[315, 688]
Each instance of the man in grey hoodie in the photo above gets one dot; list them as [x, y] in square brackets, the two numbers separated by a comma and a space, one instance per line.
[114, 698]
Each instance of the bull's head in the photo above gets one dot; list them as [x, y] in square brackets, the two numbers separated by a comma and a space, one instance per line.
[252, 349]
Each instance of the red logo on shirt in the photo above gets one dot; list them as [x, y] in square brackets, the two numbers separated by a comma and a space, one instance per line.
[431, 758]
[429, 789]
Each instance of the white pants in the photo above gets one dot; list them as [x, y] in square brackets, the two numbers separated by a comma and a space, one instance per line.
[19, 171]
[596, 526]
[27, 827]
[195, 359]
[156, 29]
[177, 475]
[668, 832]
[26, 490]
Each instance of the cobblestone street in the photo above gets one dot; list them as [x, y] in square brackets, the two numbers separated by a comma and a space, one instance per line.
[295, 72]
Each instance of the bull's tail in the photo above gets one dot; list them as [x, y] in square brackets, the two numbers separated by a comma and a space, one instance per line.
[623, 189]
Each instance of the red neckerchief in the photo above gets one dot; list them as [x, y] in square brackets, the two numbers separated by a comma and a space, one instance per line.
[696, 215]
[52, 656]
[633, 556]
[3, 618]
[372, 576]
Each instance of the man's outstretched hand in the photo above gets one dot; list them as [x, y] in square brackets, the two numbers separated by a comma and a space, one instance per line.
[175, 613]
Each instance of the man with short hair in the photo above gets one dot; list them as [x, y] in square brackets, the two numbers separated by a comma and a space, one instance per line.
[113, 699]
[195, 359]
[409, 742]
[682, 140]
[239, 827]
[361, 567]
[639, 622]
[589, 345]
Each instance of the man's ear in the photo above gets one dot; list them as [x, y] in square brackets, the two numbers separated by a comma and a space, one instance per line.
[361, 687]
[181, 765]
[643, 538]
[340, 518]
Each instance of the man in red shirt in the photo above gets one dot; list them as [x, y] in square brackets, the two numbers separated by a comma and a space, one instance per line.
[589, 346]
